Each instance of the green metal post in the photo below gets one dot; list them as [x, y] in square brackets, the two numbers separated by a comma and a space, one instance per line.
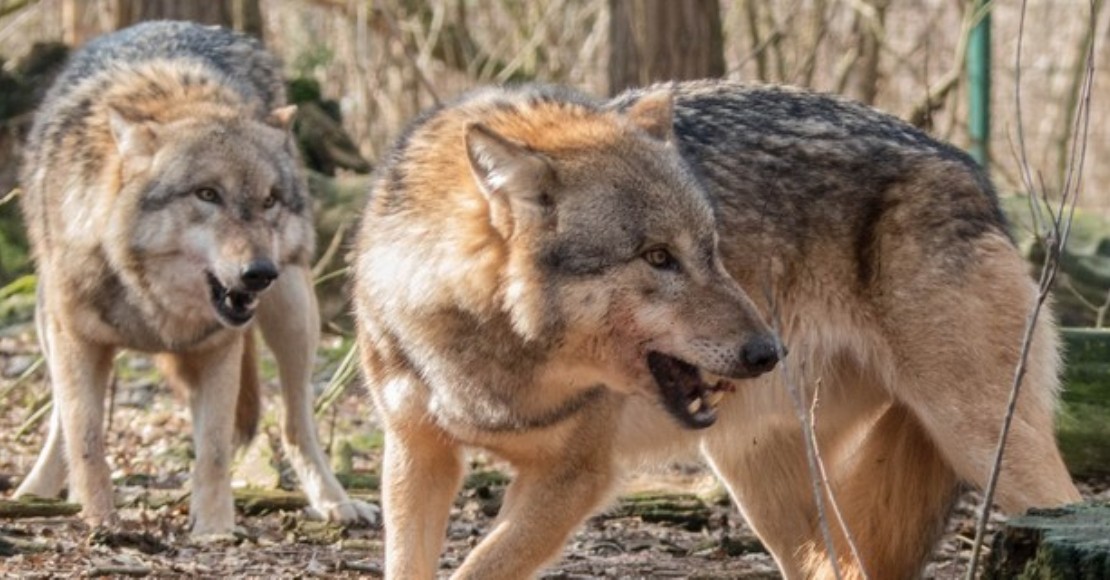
[979, 85]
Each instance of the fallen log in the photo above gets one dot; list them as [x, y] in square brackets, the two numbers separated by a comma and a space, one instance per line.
[1068, 543]
[36, 507]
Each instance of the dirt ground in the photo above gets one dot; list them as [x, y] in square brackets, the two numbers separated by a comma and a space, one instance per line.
[150, 445]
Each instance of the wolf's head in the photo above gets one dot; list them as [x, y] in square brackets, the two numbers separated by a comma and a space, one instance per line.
[612, 248]
[210, 207]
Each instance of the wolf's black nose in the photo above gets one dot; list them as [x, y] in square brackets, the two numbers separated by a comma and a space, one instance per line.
[258, 275]
[760, 354]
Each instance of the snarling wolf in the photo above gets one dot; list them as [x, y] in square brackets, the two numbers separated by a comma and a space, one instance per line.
[167, 211]
[528, 261]
[559, 281]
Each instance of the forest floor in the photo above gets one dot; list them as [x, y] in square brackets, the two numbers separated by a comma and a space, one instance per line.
[691, 530]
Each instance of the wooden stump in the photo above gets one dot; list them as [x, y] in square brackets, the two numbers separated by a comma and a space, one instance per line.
[1065, 543]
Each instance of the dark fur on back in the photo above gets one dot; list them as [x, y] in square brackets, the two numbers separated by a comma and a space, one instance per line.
[806, 167]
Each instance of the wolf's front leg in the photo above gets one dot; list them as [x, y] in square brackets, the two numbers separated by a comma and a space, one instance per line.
[421, 474]
[550, 496]
[290, 324]
[79, 377]
[212, 377]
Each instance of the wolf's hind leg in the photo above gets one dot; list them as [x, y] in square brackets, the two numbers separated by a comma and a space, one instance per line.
[290, 324]
[956, 348]
[895, 493]
[48, 476]
[889, 482]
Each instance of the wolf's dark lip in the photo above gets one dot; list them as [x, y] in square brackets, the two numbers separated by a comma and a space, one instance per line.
[235, 307]
[683, 392]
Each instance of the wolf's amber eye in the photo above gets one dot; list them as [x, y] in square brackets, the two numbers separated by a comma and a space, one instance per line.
[270, 201]
[207, 194]
[661, 259]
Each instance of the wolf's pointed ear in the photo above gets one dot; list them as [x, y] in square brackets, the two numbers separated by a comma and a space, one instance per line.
[134, 138]
[506, 171]
[282, 117]
[654, 113]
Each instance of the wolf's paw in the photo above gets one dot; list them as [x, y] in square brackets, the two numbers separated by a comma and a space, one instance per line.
[352, 512]
[215, 537]
[100, 519]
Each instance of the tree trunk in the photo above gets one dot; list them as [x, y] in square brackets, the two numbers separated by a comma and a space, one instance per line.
[130, 12]
[658, 40]
[873, 25]
[84, 19]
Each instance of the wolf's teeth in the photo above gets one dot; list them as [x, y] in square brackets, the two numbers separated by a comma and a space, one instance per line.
[694, 406]
[709, 378]
[713, 398]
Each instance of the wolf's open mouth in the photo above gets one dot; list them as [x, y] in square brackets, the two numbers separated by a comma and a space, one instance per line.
[689, 394]
[234, 307]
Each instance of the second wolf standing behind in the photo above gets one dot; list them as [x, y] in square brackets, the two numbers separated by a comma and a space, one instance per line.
[166, 206]
[523, 246]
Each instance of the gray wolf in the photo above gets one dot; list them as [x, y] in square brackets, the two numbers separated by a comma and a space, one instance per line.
[167, 211]
[511, 295]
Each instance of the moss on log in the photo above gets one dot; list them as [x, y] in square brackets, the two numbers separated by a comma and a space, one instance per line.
[1065, 543]
[676, 509]
[1083, 421]
[36, 507]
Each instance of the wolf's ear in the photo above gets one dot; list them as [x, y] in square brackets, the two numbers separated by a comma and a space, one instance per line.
[654, 113]
[282, 117]
[134, 138]
[506, 171]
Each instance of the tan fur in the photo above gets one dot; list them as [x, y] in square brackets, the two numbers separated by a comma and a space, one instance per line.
[165, 206]
[506, 300]
[484, 179]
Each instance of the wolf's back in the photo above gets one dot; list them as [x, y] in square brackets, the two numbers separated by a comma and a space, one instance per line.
[250, 69]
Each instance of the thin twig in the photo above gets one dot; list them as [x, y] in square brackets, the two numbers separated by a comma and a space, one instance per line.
[797, 397]
[1054, 245]
[339, 273]
[828, 485]
[1100, 311]
[14, 193]
[948, 81]
[118, 570]
[36, 417]
[23, 377]
[332, 249]
[344, 373]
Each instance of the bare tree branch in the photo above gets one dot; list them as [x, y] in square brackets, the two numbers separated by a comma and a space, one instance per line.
[815, 469]
[827, 484]
[936, 93]
[1054, 245]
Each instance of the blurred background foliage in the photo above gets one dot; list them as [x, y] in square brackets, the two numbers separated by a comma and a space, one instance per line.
[360, 69]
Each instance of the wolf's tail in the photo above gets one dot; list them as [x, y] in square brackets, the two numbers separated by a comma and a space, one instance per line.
[248, 409]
